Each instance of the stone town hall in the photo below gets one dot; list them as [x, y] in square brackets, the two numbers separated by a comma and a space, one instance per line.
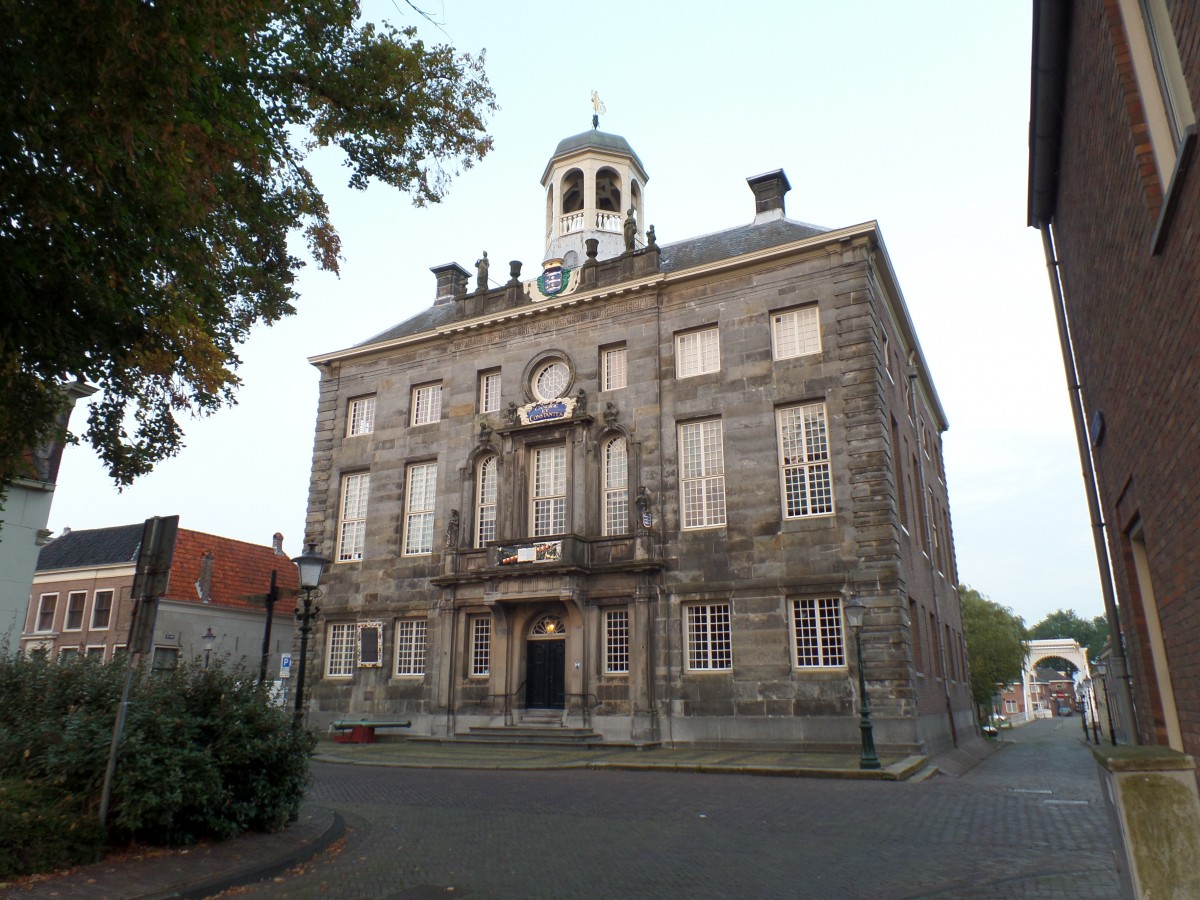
[631, 496]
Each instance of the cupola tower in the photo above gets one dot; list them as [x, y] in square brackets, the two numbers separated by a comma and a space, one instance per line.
[592, 182]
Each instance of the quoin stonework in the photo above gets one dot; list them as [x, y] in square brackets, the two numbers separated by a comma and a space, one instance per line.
[630, 495]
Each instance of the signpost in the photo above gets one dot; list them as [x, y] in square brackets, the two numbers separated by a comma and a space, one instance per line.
[150, 581]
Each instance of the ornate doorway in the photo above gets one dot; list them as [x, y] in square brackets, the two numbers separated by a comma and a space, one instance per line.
[546, 664]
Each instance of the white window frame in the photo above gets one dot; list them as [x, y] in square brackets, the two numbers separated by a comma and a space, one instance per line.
[89, 654]
[805, 469]
[614, 373]
[615, 461]
[112, 602]
[548, 490]
[616, 641]
[487, 483]
[702, 474]
[420, 498]
[489, 391]
[37, 623]
[68, 653]
[411, 641]
[796, 332]
[708, 632]
[544, 388]
[1010, 706]
[341, 650]
[818, 633]
[360, 416]
[697, 352]
[481, 646]
[352, 516]
[72, 596]
[427, 403]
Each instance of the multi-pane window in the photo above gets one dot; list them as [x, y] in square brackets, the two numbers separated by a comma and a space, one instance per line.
[340, 660]
[818, 630]
[697, 353]
[485, 505]
[410, 646]
[426, 403]
[102, 602]
[489, 392]
[549, 490]
[45, 618]
[616, 486]
[702, 474]
[612, 368]
[804, 458]
[616, 641]
[418, 505]
[1010, 706]
[68, 654]
[796, 332]
[360, 418]
[94, 651]
[709, 645]
[165, 659]
[481, 646]
[550, 380]
[352, 525]
[76, 600]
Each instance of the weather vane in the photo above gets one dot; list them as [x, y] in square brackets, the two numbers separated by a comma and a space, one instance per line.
[597, 109]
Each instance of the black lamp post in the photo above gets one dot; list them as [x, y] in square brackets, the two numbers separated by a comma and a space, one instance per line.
[1101, 669]
[208, 639]
[855, 610]
[311, 565]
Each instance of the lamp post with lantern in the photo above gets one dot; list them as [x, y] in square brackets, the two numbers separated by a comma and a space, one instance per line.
[1101, 669]
[855, 610]
[311, 566]
[207, 640]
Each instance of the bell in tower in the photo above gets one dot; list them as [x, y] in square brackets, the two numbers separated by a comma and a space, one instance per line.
[594, 182]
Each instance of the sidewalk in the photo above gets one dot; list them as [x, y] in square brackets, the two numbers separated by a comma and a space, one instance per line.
[202, 871]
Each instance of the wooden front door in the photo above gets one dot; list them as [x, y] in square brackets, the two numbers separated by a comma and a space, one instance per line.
[545, 674]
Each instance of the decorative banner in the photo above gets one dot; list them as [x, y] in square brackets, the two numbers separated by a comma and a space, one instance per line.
[552, 411]
[546, 551]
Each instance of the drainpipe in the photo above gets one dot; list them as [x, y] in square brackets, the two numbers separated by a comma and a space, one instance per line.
[943, 652]
[1119, 661]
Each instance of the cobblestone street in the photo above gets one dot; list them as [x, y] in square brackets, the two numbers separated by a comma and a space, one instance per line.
[1027, 822]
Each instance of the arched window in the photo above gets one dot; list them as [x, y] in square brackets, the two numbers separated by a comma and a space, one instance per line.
[572, 191]
[485, 502]
[608, 190]
[616, 486]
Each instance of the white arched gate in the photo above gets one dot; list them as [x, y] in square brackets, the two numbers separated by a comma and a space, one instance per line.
[1061, 648]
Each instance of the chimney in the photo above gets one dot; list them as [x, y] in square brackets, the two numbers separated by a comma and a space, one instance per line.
[451, 283]
[277, 543]
[204, 582]
[769, 189]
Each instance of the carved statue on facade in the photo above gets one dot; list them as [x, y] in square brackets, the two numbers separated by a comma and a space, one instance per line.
[485, 432]
[452, 530]
[580, 403]
[610, 413]
[630, 228]
[514, 417]
[481, 266]
[651, 239]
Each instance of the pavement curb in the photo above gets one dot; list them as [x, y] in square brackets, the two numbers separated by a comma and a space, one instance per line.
[258, 871]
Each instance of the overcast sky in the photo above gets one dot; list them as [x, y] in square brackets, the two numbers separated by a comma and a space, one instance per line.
[913, 114]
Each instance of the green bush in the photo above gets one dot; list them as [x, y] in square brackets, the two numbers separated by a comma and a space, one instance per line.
[42, 829]
[204, 753]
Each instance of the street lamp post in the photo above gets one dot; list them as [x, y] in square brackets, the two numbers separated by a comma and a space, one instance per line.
[1101, 669]
[208, 639]
[311, 566]
[855, 610]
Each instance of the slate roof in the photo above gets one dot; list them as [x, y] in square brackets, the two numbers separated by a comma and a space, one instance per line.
[675, 257]
[113, 546]
[593, 139]
[734, 242]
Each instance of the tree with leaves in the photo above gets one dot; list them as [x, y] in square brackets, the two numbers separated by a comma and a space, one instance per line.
[1090, 634]
[152, 168]
[996, 646]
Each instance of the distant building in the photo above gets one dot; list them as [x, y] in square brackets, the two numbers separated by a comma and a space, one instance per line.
[633, 494]
[1114, 186]
[23, 517]
[81, 598]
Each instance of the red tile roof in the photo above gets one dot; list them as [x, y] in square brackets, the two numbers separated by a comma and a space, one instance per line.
[241, 572]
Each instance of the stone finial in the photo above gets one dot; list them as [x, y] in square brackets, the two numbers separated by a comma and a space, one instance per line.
[514, 271]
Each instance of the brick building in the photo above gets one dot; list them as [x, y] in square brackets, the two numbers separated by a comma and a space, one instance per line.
[80, 604]
[632, 494]
[1114, 188]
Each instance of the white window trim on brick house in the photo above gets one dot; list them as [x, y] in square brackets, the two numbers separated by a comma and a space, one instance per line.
[108, 608]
